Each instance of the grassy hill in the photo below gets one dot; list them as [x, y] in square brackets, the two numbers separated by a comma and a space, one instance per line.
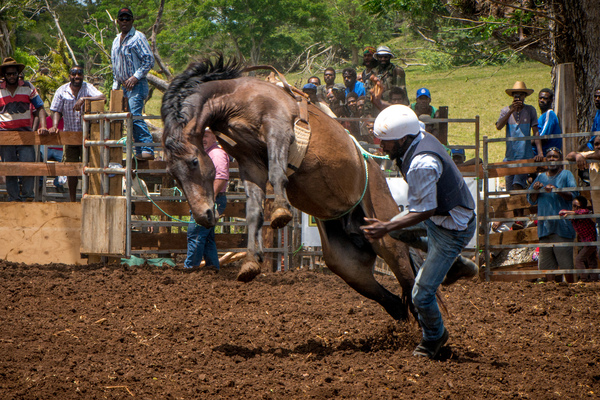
[468, 92]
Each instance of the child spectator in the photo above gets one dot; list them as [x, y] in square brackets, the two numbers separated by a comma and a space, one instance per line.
[587, 258]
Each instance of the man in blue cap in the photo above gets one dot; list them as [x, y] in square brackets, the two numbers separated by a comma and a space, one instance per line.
[423, 107]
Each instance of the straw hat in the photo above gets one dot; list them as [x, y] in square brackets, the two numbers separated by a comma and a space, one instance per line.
[519, 87]
[10, 62]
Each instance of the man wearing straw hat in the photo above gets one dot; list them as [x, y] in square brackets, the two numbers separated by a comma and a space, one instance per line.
[520, 120]
[16, 98]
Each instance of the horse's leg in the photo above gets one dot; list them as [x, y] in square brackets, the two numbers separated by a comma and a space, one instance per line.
[351, 257]
[278, 145]
[254, 218]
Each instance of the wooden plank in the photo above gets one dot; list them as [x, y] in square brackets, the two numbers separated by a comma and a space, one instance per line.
[565, 103]
[40, 169]
[40, 233]
[103, 228]
[95, 159]
[514, 202]
[115, 183]
[16, 138]
[523, 236]
[499, 172]
[178, 241]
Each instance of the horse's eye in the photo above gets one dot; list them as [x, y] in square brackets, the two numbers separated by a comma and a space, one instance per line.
[195, 162]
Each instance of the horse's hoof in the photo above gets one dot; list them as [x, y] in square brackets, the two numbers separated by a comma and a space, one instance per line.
[280, 218]
[248, 271]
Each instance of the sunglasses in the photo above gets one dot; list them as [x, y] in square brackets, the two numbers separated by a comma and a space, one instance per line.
[125, 19]
[76, 72]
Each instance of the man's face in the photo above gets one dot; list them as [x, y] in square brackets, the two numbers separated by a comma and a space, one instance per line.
[330, 96]
[125, 23]
[208, 139]
[384, 60]
[352, 103]
[423, 101]
[370, 126]
[349, 79]
[396, 98]
[360, 106]
[597, 143]
[314, 81]
[545, 101]
[329, 77]
[76, 77]
[519, 96]
[368, 60]
[11, 75]
[312, 95]
[597, 99]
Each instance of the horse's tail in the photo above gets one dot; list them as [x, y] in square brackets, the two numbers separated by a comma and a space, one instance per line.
[186, 84]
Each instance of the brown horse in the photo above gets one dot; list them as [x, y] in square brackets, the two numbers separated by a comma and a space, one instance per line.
[254, 122]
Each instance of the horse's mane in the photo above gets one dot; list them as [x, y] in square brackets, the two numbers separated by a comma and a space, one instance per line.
[186, 84]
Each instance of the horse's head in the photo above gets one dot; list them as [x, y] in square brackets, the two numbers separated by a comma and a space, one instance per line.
[189, 164]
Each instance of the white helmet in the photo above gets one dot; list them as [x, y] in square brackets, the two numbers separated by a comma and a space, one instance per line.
[395, 122]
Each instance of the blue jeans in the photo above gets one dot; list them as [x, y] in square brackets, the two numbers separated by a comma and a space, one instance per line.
[136, 99]
[19, 154]
[443, 246]
[201, 241]
[55, 155]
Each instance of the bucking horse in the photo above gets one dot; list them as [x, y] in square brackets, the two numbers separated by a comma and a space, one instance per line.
[313, 164]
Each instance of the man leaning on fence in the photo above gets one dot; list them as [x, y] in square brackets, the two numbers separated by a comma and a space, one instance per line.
[550, 204]
[67, 104]
[17, 99]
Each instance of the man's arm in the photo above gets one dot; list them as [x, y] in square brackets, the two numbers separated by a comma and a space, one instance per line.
[377, 229]
[142, 48]
[80, 102]
[538, 144]
[56, 116]
[219, 185]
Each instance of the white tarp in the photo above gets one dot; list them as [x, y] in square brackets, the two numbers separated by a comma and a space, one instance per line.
[399, 189]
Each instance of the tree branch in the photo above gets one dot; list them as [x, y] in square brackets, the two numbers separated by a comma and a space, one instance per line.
[155, 28]
[60, 32]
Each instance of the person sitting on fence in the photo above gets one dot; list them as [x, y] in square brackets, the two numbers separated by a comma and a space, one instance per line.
[551, 203]
[67, 105]
[17, 97]
[594, 168]
[200, 240]
[586, 232]
[548, 122]
[520, 120]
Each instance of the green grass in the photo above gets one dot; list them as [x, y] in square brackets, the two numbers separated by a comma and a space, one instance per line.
[479, 91]
[467, 92]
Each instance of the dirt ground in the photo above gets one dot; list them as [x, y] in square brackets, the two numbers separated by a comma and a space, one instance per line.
[98, 332]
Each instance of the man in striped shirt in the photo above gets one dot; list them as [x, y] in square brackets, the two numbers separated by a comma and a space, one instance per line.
[132, 59]
[16, 98]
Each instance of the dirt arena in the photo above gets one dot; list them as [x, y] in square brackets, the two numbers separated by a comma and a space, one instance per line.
[98, 332]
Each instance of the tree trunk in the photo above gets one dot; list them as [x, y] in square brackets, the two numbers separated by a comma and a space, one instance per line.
[576, 41]
[5, 45]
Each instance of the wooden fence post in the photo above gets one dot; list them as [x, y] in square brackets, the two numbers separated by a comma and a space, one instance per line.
[565, 106]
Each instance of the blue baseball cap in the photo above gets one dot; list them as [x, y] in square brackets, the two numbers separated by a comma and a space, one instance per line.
[423, 92]
[309, 86]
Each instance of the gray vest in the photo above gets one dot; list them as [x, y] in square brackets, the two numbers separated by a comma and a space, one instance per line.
[451, 188]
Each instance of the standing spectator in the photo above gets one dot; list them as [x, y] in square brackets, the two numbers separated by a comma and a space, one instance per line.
[550, 203]
[520, 120]
[398, 95]
[423, 107]
[548, 122]
[17, 99]
[67, 103]
[201, 240]
[132, 59]
[370, 64]
[586, 232]
[352, 85]
[388, 73]
[595, 122]
[594, 168]
[329, 79]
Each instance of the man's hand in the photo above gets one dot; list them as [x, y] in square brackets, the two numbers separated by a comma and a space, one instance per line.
[517, 105]
[53, 131]
[581, 162]
[375, 230]
[538, 158]
[42, 131]
[538, 185]
[130, 83]
[79, 104]
[549, 188]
